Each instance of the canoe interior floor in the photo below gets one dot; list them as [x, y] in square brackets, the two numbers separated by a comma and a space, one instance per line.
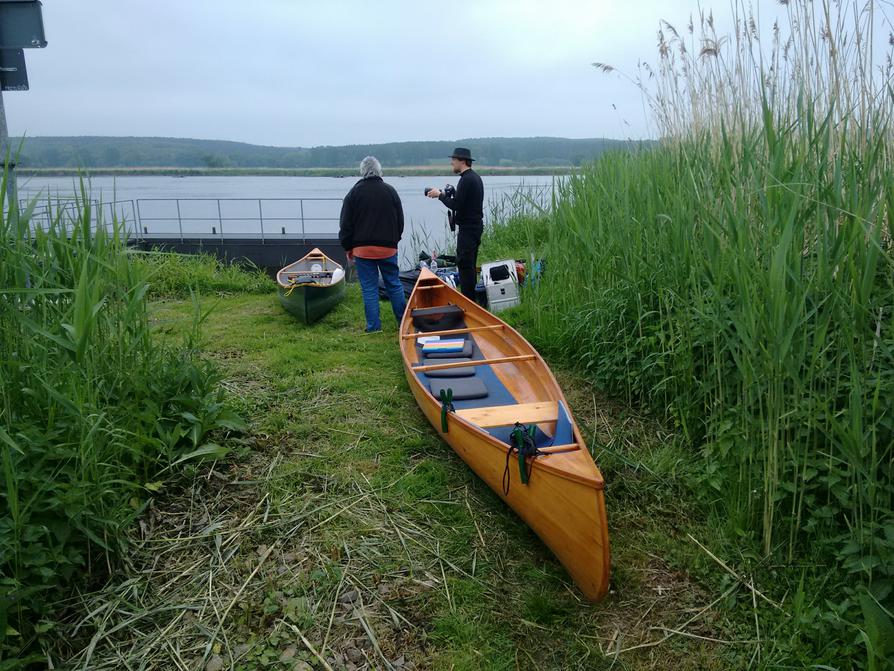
[288, 280]
[497, 394]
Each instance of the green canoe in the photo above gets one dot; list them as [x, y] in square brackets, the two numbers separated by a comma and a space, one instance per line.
[311, 286]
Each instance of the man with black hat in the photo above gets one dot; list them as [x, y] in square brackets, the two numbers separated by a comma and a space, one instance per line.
[467, 204]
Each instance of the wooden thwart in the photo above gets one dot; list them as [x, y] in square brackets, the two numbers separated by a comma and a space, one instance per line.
[475, 362]
[472, 329]
[570, 447]
[507, 415]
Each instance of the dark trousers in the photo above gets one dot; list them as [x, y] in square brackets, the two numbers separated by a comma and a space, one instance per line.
[467, 241]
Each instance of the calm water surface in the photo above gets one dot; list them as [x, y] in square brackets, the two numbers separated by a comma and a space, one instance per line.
[153, 201]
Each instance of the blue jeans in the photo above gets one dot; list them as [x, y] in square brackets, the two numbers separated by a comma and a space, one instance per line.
[368, 273]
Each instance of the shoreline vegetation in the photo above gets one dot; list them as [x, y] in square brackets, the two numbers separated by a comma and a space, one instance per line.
[738, 282]
[190, 480]
[343, 529]
[96, 412]
[405, 171]
[95, 153]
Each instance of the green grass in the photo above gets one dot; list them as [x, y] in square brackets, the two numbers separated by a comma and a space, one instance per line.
[172, 275]
[738, 282]
[93, 411]
[735, 283]
[352, 492]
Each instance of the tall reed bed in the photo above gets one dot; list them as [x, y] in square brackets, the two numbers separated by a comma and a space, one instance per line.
[739, 279]
[94, 413]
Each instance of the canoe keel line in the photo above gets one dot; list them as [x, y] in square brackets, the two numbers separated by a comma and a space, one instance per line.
[493, 399]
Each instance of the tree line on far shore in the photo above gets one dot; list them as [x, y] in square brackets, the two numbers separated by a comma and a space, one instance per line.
[135, 152]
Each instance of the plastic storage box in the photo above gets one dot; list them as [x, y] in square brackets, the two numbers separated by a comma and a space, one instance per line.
[500, 284]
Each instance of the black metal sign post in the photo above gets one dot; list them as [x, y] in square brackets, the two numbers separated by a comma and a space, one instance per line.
[21, 27]
[13, 75]
[6, 158]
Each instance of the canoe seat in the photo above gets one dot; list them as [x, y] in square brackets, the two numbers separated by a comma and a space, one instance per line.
[464, 371]
[465, 353]
[507, 415]
[464, 388]
[438, 310]
[438, 318]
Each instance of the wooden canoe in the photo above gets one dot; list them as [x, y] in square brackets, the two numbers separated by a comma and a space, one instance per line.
[311, 286]
[563, 500]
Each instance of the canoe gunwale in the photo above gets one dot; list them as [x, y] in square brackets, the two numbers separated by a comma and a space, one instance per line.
[310, 301]
[316, 255]
[536, 463]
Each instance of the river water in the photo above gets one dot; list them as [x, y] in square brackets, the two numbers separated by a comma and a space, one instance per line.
[276, 207]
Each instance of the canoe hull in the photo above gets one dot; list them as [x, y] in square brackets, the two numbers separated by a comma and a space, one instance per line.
[568, 516]
[563, 502]
[309, 303]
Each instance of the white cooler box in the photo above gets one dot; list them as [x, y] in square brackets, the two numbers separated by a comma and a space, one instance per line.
[500, 284]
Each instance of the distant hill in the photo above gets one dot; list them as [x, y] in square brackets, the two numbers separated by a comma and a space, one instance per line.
[156, 152]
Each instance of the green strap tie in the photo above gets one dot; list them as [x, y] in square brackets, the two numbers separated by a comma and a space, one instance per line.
[446, 406]
[523, 441]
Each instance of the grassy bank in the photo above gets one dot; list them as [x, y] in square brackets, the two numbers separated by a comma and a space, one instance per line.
[345, 530]
[94, 412]
[738, 281]
[171, 275]
[341, 528]
[731, 293]
[347, 171]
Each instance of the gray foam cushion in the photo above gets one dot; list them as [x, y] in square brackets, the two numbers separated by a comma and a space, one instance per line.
[463, 388]
[466, 352]
[463, 371]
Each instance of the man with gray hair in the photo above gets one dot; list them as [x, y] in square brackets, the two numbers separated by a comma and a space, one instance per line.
[371, 225]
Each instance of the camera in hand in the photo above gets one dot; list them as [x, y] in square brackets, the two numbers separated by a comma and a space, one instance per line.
[448, 190]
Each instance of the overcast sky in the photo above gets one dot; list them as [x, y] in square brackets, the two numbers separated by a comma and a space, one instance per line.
[289, 73]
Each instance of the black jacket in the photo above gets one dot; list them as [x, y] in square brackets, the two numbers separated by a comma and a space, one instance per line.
[371, 214]
[468, 203]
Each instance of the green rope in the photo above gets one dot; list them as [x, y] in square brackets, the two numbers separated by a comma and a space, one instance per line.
[522, 441]
[446, 406]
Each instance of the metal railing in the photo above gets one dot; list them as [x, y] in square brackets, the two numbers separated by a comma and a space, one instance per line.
[267, 218]
[189, 218]
[65, 211]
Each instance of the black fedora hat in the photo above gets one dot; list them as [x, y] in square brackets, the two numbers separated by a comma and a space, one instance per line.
[462, 153]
